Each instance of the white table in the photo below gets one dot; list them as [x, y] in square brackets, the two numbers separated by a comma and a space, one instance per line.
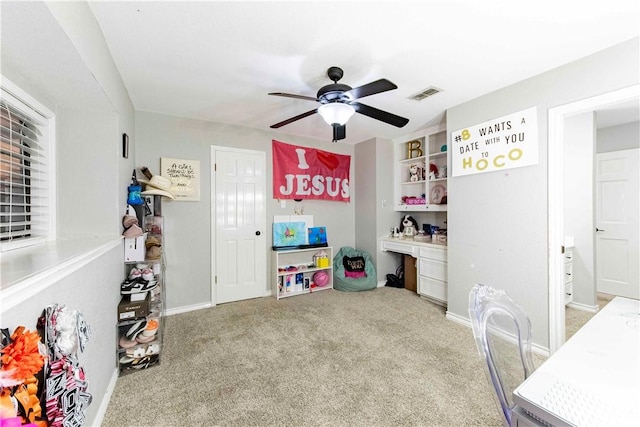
[597, 373]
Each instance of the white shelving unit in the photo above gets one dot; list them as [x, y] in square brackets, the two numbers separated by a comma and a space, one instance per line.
[146, 352]
[568, 275]
[293, 271]
[427, 152]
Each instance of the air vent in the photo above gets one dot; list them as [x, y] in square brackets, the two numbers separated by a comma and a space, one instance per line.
[430, 91]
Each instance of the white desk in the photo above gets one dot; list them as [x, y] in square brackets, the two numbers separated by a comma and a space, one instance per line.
[598, 368]
[432, 265]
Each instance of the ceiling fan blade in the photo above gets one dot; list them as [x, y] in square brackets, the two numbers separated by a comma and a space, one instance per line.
[293, 119]
[372, 88]
[291, 95]
[383, 116]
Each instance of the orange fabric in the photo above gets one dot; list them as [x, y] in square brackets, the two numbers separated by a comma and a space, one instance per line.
[7, 407]
[26, 394]
[22, 355]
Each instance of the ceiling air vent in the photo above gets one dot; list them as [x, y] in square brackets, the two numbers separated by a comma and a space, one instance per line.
[430, 91]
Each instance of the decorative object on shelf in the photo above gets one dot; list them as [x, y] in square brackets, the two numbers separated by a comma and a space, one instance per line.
[438, 195]
[289, 234]
[320, 259]
[416, 172]
[408, 226]
[414, 149]
[414, 200]
[443, 148]
[321, 278]
[433, 171]
[317, 235]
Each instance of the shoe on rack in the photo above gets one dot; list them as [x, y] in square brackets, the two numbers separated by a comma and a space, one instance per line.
[143, 339]
[147, 274]
[135, 286]
[127, 343]
[153, 349]
[136, 329]
[137, 352]
[135, 273]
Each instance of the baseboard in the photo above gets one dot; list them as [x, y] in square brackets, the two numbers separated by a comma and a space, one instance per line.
[187, 308]
[535, 348]
[106, 398]
[584, 307]
[382, 284]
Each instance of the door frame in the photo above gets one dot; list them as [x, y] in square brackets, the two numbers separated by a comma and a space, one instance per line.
[555, 206]
[212, 219]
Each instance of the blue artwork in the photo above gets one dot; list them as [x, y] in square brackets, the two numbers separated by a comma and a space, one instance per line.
[289, 234]
[317, 235]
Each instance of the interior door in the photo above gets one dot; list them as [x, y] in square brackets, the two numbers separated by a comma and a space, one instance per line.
[239, 214]
[617, 230]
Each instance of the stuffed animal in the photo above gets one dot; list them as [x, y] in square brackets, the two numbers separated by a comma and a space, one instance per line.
[414, 173]
[408, 221]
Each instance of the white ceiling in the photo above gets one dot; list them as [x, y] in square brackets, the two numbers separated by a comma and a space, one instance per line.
[218, 60]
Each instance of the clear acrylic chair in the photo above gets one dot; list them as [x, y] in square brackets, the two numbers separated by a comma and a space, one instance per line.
[496, 321]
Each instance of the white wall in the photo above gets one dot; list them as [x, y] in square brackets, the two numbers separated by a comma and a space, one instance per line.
[616, 138]
[579, 152]
[64, 63]
[498, 220]
[187, 224]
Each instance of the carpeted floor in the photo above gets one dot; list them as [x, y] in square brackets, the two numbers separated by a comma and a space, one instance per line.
[379, 358]
[575, 319]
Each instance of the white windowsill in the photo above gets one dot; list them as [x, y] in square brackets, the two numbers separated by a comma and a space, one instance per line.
[25, 272]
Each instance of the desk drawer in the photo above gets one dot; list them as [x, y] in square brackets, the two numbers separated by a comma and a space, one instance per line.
[433, 269]
[435, 289]
[568, 273]
[403, 248]
[436, 253]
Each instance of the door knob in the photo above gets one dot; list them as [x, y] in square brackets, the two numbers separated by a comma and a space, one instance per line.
[257, 233]
[597, 229]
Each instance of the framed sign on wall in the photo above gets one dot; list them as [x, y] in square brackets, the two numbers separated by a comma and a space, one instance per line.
[507, 142]
[184, 176]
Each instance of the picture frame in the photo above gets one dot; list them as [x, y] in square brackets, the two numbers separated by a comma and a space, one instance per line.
[125, 146]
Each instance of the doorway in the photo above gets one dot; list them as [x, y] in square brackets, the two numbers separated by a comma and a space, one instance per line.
[557, 117]
[238, 224]
[617, 213]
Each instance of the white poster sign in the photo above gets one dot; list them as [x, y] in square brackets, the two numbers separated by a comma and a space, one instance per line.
[184, 176]
[503, 143]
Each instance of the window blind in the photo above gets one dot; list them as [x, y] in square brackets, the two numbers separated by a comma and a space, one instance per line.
[24, 201]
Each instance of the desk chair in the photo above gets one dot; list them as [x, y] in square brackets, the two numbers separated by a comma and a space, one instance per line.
[497, 320]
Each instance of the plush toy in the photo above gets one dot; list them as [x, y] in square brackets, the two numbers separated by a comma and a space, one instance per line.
[414, 173]
[408, 221]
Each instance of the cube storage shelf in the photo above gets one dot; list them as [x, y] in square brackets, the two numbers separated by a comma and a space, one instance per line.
[293, 271]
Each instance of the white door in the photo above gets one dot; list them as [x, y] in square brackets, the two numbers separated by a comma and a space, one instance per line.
[239, 252]
[617, 230]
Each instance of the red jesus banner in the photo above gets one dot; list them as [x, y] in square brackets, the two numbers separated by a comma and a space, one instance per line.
[308, 173]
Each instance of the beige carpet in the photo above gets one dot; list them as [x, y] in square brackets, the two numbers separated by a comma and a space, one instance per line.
[576, 319]
[378, 358]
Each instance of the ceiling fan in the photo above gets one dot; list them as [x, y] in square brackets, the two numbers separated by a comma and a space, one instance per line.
[339, 104]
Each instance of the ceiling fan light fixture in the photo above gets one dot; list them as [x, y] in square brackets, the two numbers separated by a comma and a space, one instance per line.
[336, 113]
